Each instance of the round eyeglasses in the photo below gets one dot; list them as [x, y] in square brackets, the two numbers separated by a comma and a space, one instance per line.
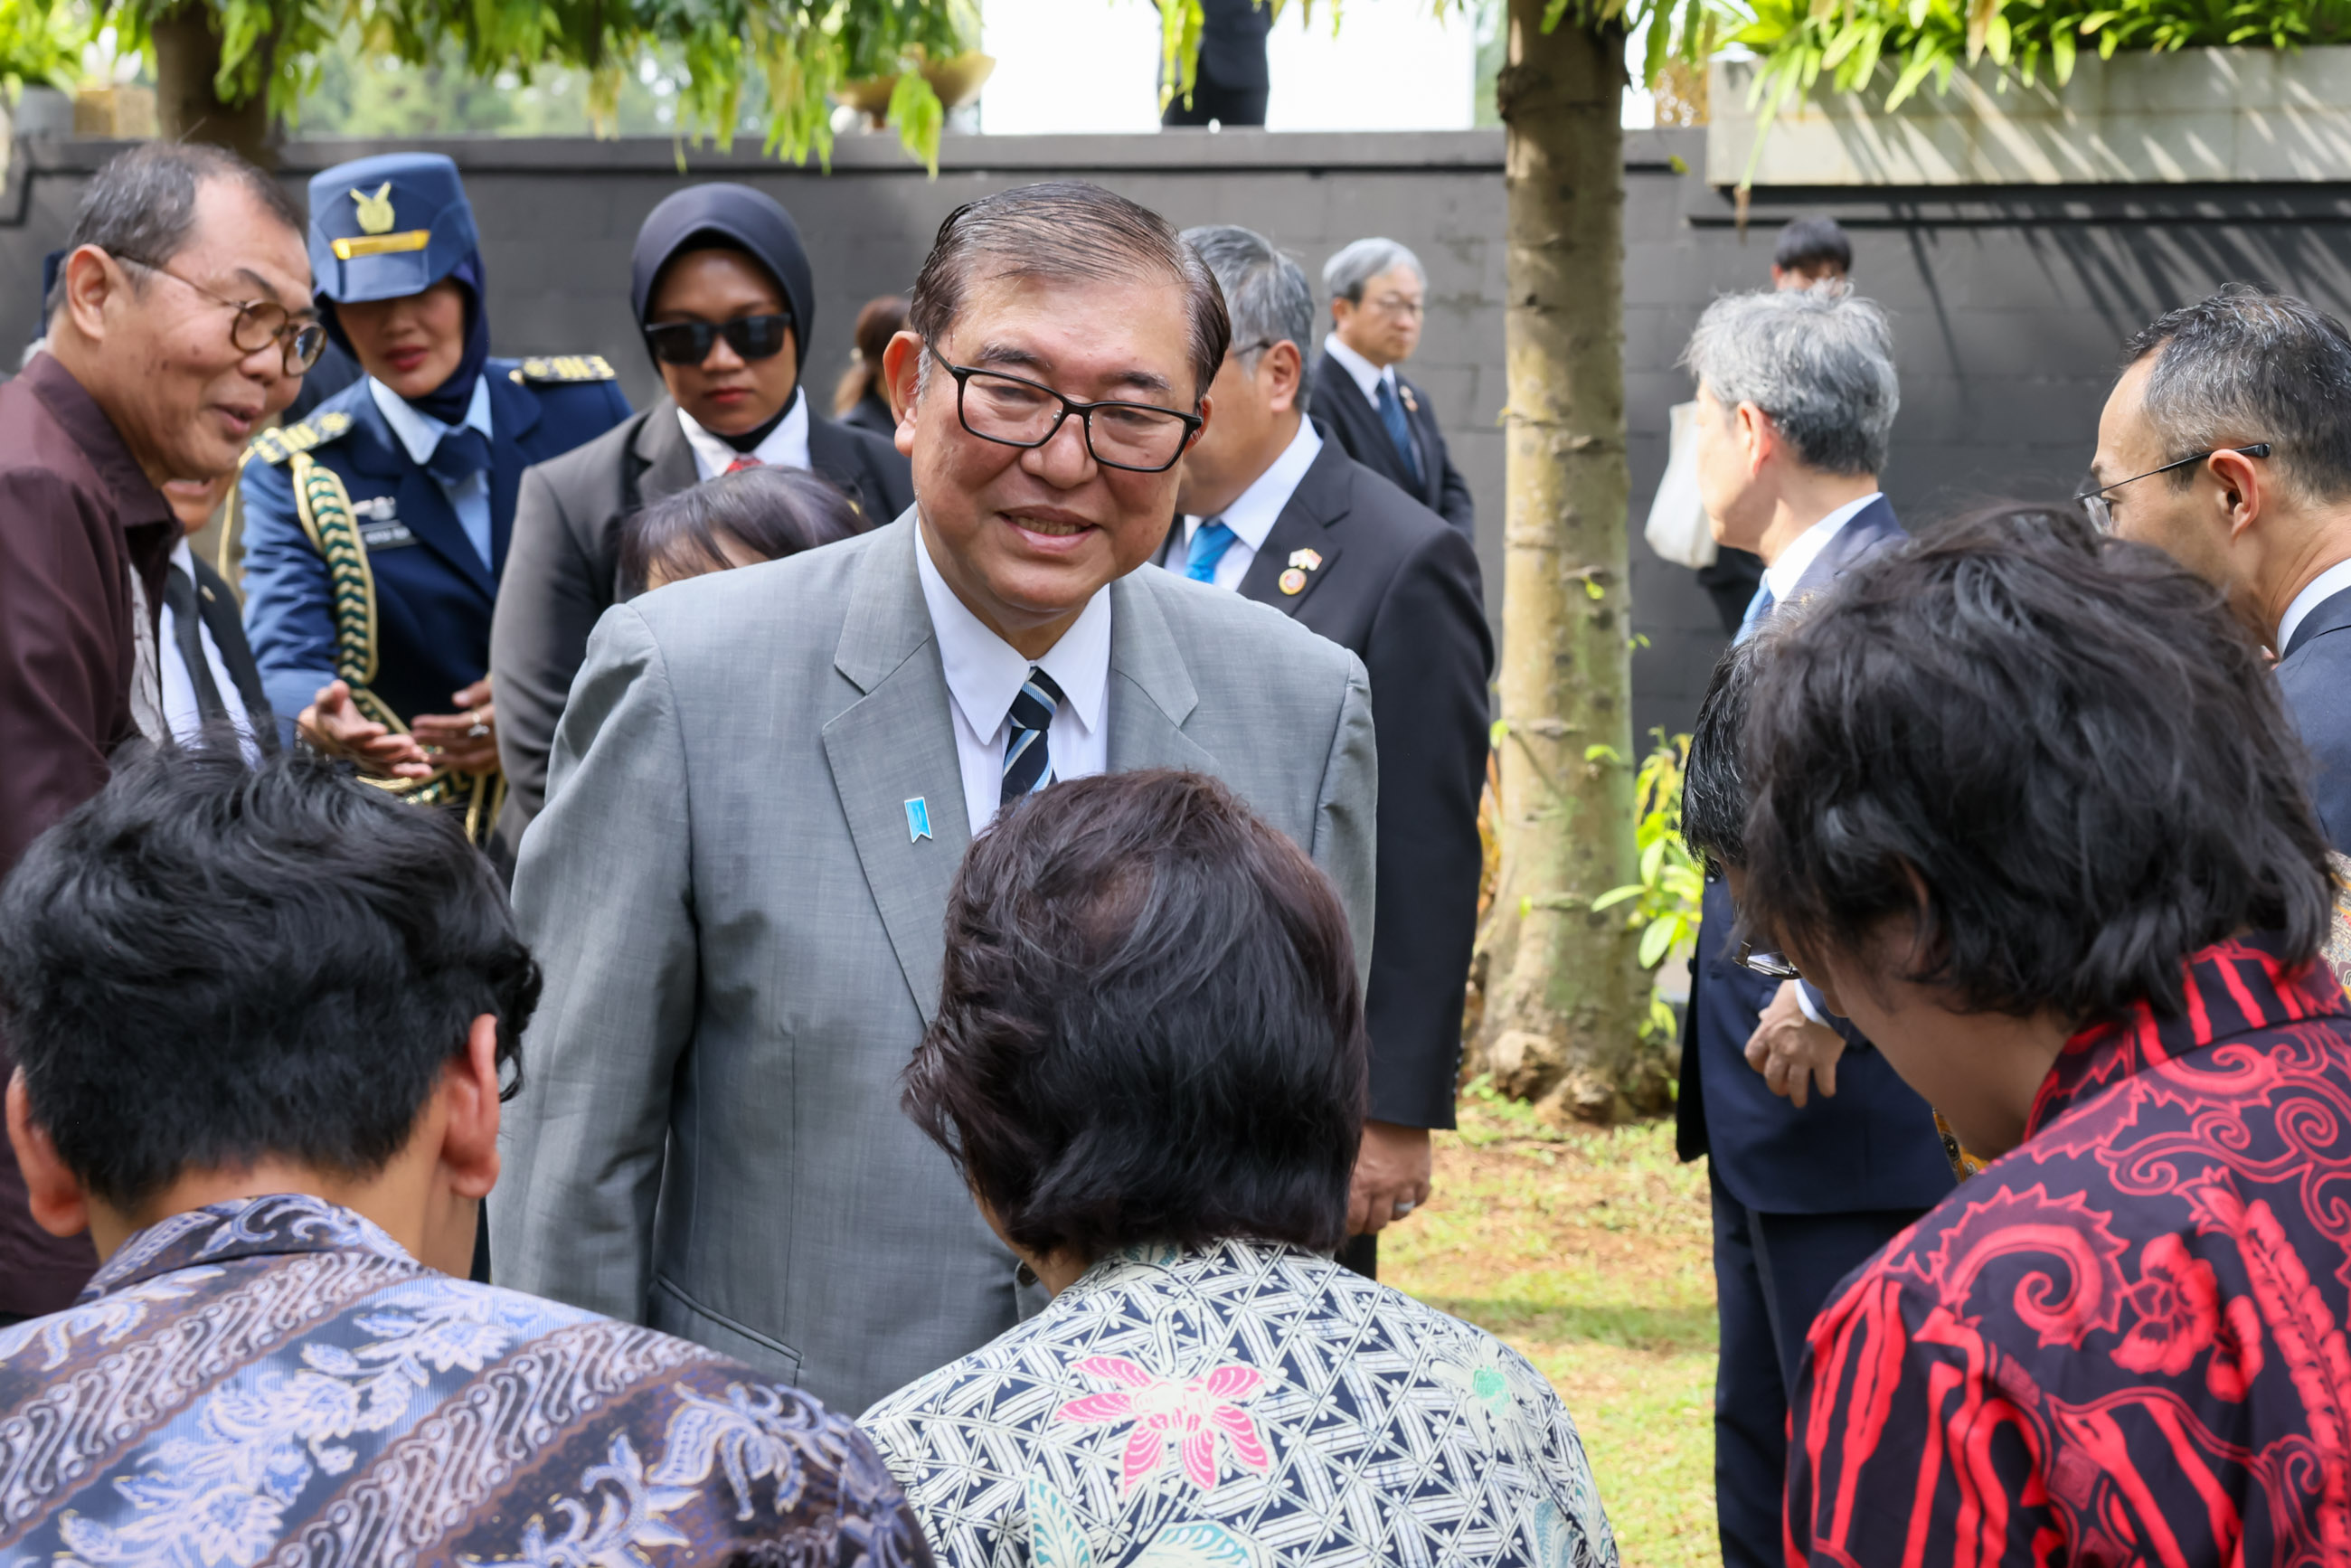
[259, 322]
[1013, 411]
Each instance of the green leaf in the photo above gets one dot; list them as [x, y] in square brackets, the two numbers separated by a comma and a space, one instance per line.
[1657, 941]
[1617, 896]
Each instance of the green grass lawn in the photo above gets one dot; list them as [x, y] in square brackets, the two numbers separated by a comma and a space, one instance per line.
[1589, 1251]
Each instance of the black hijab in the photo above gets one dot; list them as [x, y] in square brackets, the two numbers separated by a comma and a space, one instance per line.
[734, 218]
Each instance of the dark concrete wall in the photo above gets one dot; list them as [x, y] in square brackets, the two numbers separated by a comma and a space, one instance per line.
[2008, 304]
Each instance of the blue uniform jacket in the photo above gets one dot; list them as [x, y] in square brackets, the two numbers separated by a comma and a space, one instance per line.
[434, 593]
[2314, 675]
[1872, 1146]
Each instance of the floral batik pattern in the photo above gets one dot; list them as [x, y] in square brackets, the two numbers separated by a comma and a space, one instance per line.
[277, 1380]
[2124, 1342]
[1246, 1405]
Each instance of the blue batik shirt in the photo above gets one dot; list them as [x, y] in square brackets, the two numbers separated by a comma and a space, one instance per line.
[275, 1379]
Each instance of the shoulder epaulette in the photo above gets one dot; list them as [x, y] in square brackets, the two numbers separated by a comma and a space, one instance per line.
[564, 368]
[277, 446]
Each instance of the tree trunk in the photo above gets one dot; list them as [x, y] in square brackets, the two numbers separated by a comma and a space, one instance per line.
[1562, 998]
[187, 106]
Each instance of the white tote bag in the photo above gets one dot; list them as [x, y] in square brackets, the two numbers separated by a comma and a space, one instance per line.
[1677, 529]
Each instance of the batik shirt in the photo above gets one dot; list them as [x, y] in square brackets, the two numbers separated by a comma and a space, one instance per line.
[1245, 1407]
[2124, 1342]
[275, 1379]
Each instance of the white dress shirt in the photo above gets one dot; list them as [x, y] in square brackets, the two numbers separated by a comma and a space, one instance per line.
[1782, 575]
[421, 434]
[180, 710]
[985, 673]
[1366, 374]
[1252, 516]
[786, 446]
[2319, 589]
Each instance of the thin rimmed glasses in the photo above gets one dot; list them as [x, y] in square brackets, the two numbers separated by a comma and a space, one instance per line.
[258, 323]
[1766, 963]
[2100, 511]
[1013, 411]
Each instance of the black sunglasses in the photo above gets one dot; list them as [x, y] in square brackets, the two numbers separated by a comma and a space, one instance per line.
[690, 342]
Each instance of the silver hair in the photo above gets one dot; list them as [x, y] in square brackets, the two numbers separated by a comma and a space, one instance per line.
[1266, 293]
[2250, 364]
[1819, 361]
[1345, 274]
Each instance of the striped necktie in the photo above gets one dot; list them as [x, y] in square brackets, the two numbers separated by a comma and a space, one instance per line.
[1028, 765]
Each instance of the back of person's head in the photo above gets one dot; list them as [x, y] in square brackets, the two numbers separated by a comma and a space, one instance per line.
[2058, 754]
[207, 965]
[1819, 361]
[142, 205]
[1347, 274]
[2246, 365]
[1714, 784]
[1069, 231]
[1813, 247]
[1266, 293]
[1148, 1027]
[880, 320]
[734, 520]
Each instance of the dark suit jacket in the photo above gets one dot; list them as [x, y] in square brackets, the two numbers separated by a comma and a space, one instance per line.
[1872, 1146]
[1401, 590]
[2314, 675]
[564, 566]
[217, 608]
[1340, 404]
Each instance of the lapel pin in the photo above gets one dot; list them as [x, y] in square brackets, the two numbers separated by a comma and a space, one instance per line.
[918, 819]
[1292, 581]
[1410, 401]
[1306, 559]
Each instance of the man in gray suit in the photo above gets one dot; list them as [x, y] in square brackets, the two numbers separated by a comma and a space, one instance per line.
[766, 777]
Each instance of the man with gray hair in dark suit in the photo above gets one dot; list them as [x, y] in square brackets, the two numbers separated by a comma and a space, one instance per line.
[1379, 301]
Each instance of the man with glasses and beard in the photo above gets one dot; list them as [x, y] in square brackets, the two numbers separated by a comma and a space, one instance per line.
[765, 780]
[181, 319]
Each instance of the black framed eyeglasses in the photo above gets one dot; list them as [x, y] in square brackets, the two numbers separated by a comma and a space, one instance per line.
[1766, 963]
[1013, 411]
[2100, 511]
[690, 342]
[258, 323]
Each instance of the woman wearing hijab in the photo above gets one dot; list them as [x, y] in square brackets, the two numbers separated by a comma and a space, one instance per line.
[726, 305]
[376, 529]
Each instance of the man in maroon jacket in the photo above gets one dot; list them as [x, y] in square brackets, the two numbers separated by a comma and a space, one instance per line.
[181, 319]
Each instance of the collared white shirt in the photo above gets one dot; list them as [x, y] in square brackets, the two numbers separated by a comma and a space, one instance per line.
[180, 709]
[1366, 374]
[421, 435]
[1252, 516]
[1782, 575]
[786, 446]
[2317, 592]
[985, 673]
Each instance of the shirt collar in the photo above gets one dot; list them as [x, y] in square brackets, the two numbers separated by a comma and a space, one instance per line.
[1251, 516]
[985, 673]
[2317, 592]
[1367, 375]
[419, 433]
[786, 446]
[1785, 573]
[2232, 988]
[240, 1228]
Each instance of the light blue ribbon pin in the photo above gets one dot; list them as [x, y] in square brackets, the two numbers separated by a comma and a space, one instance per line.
[918, 819]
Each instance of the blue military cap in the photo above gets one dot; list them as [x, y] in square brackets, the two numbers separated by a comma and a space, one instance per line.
[390, 226]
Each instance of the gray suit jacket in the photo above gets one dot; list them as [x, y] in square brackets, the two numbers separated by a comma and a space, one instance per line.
[742, 943]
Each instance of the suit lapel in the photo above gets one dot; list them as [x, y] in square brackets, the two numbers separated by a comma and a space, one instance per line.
[1868, 531]
[664, 457]
[1151, 690]
[420, 502]
[1342, 404]
[514, 414]
[1304, 525]
[1421, 421]
[2332, 613]
[897, 745]
[834, 454]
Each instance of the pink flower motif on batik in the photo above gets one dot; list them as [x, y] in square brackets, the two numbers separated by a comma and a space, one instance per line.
[1191, 1415]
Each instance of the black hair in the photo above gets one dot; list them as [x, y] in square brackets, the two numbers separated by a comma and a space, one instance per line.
[2250, 364]
[1148, 1026]
[878, 321]
[142, 207]
[2058, 753]
[1714, 785]
[1069, 229]
[205, 965]
[1808, 245]
[772, 512]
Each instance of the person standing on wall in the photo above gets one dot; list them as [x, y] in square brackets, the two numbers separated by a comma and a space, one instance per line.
[376, 529]
[1379, 297]
[1272, 507]
[727, 304]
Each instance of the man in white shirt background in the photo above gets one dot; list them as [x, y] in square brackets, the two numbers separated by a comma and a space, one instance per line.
[1274, 508]
[1379, 299]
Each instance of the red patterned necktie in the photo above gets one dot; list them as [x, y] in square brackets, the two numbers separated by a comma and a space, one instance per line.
[745, 460]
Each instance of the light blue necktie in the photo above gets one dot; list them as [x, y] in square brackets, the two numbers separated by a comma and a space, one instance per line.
[1210, 540]
[1400, 433]
[1759, 610]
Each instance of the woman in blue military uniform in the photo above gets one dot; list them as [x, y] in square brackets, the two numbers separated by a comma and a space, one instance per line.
[376, 528]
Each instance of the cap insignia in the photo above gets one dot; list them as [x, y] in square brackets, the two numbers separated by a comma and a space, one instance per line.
[375, 211]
